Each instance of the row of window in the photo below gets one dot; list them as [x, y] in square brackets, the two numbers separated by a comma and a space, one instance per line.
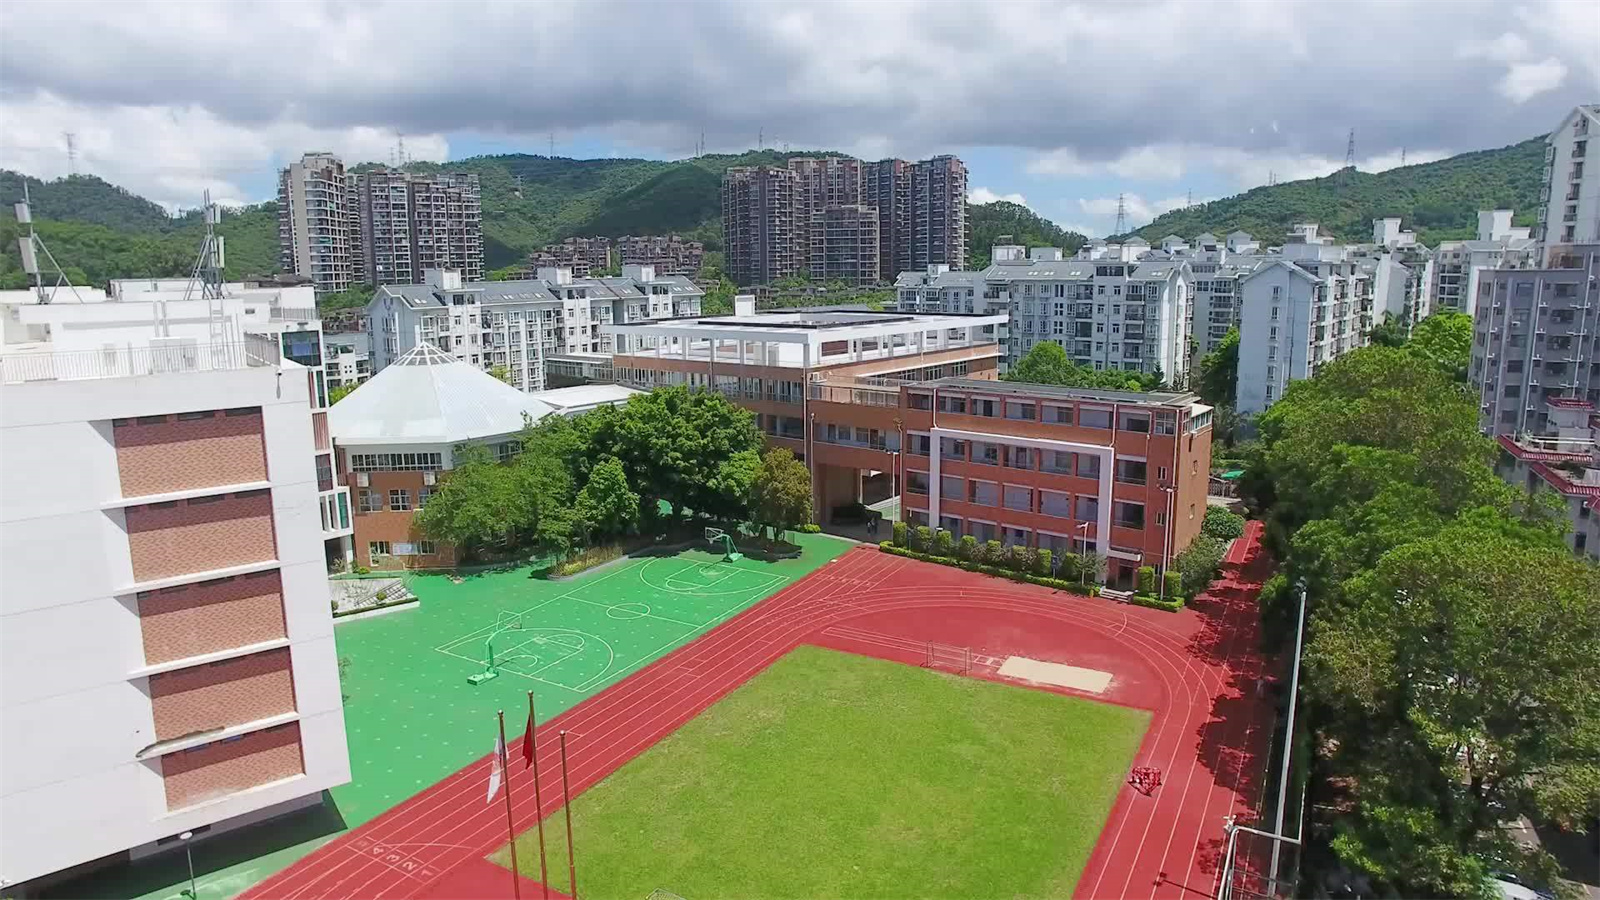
[376, 549]
[1080, 507]
[1007, 535]
[1135, 420]
[187, 416]
[396, 462]
[399, 500]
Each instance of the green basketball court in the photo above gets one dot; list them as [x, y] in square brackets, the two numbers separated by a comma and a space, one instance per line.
[412, 718]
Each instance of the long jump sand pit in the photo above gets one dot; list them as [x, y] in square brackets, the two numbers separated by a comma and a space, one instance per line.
[1040, 672]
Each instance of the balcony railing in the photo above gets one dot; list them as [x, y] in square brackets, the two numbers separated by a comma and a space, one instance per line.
[130, 361]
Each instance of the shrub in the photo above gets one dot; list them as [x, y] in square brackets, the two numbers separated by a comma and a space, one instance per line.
[1023, 558]
[810, 528]
[381, 596]
[1046, 560]
[1222, 524]
[924, 540]
[1145, 583]
[944, 542]
[994, 553]
[1174, 582]
[1199, 563]
[1172, 605]
[967, 549]
[363, 570]
[899, 534]
[335, 605]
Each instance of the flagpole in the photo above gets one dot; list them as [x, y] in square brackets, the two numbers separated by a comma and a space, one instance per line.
[511, 829]
[566, 803]
[532, 752]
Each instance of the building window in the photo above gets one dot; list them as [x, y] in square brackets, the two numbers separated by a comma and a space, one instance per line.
[1058, 415]
[427, 548]
[423, 496]
[1088, 465]
[376, 549]
[1128, 515]
[920, 401]
[396, 462]
[1086, 508]
[399, 500]
[370, 501]
[916, 482]
[1132, 471]
[1090, 417]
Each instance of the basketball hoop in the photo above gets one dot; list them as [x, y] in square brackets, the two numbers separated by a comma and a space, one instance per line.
[729, 554]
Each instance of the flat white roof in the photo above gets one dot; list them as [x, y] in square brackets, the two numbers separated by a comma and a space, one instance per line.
[584, 396]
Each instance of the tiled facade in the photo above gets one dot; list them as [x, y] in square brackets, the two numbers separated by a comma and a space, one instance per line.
[218, 769]
[159, 454]
[195, 619]
[200, 534]
[221, 694]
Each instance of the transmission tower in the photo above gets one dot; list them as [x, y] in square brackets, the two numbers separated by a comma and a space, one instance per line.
[72, 152]
[1402, 156]
[1350, 150]
[1190, 201]
[1122, 214]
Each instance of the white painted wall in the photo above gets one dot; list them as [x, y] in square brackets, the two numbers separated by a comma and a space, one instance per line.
[72, 717]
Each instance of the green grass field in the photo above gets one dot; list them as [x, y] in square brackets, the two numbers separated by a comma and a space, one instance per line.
[834, 775]
[412, 719]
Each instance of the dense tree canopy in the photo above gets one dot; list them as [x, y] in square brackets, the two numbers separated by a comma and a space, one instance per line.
[1219, 371]
[1454, 656]
[1047, 363]
[780, 494]
[1445, 338]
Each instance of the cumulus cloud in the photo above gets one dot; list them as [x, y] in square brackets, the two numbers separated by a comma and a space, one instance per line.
[1139, 211]
[984, 195]
[1245, 168]
[231, 88]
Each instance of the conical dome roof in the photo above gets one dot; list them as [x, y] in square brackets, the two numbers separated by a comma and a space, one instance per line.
[429, 397]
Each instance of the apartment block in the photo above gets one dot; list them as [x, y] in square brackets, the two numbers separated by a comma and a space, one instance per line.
[314, 222]
[383, 205]
[880, 405]
[347, 358]
[938, 213]
[165, 635]
[583, 256]
[887, 186]
[848, 249]
[1310, 305]
[1459, 267]
[1562, 460]
[1569, 210]
[1536, 338]
[519, 325]
[762, 236]
[413, 222]
[668, 254]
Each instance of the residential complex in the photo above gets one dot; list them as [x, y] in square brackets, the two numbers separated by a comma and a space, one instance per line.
[1459, 266]
[163, 580]
[518, 325]
[347, 358]
[1569, 210]
[1536, 337]
[668, 254]
[581, 255]
[315, 217]
[837, 218]
[379, 227]
[863, 398]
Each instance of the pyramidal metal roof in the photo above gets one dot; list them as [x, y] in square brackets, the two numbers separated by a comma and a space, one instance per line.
[429, 397]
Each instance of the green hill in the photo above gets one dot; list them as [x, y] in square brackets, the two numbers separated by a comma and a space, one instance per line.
[100, 231]
[987, 222]
[1439, 200]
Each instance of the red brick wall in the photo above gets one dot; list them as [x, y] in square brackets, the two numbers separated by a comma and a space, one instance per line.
[390, 525]
[179, 454]
[212, 615]
[219, 694]
[225, 767]
[200, 534]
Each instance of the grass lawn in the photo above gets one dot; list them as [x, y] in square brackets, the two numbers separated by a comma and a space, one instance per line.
[834, 775]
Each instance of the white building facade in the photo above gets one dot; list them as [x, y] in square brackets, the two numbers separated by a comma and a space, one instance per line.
[166, 642]
[1459, 267]
[517, 325]
[1569, 210]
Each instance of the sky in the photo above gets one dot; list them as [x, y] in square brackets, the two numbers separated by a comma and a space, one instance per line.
[1062, 106]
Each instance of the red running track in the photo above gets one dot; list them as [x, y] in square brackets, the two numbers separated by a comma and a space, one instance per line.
[1198, 672]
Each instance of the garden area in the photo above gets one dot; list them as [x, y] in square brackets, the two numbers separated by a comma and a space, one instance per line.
[655, 471]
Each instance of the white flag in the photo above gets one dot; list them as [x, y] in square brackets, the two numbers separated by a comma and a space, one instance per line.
[496, 767]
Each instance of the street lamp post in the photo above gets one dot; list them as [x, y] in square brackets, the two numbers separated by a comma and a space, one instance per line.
[1083, 562]
[1166, 541]
[192, 893]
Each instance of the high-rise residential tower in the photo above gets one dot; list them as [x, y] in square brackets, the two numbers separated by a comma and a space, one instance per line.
[314, 222]
[761, 241]
[1569, 210]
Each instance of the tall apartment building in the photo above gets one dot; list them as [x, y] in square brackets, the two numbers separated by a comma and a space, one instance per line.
[519, 324]
[1459, 266]
[409, 223]
[314, 222]
[1536, 337]
[759, 222]
[906, 404]
[165, 636]
[921, 210]
[848, 249]
[1569, 204]
[1310, 305]
[938, 213]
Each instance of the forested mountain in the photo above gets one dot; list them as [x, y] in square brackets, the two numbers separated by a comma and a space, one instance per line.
[987, 222]
[100, 231]
[1439, 200]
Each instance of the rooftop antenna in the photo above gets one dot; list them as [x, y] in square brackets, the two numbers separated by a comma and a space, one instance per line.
[207, 270]
[1122, 215]
[30, 245]
[72, 152]
[1350, 150]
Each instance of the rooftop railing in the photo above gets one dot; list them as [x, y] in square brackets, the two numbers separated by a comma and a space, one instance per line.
[131, 361]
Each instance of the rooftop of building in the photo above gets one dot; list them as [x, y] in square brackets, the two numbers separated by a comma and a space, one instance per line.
[582, 397]
[812, 321]
[538, 290]
[1028, 389]
[430, 397]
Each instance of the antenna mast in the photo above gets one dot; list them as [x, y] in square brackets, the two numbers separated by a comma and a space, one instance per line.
[1122, 215]
[207, 271]
[1350, 150]
[1402, 156]
[72, 152]
[30, 245]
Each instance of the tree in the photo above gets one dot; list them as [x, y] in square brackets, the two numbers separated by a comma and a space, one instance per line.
[354, 297]
[1445, 338]
[1388, 333]
[1047, 363]
[500, 373]
[673, 443]
[341, 392]
[729, 491]
[480, 505]
[1219, 371]
[780, 495]
[606, 506]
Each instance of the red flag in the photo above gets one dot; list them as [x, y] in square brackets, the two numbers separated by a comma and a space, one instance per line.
[527, 742]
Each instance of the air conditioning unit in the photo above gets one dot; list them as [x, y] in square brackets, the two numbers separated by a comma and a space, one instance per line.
[363, 479]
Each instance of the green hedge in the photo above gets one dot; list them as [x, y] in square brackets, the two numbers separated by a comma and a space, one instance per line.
[997, 571]
[1155, 602]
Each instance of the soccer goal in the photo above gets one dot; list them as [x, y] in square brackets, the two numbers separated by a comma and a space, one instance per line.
[715, 536]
